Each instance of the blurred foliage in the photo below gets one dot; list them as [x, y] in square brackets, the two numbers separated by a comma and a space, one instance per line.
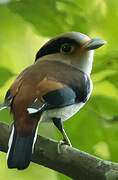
[25, 25]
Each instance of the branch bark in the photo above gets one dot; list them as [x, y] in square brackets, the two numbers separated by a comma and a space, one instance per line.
[72, 162]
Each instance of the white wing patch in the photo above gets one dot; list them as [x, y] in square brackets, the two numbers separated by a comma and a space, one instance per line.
[3, 107]
[32, 110]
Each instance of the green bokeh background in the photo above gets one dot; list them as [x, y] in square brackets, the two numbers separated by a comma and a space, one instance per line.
[25, 25]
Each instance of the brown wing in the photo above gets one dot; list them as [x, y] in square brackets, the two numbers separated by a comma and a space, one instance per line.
[36, 81]
[31, 84]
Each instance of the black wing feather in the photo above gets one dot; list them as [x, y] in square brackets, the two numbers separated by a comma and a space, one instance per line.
[55, 99]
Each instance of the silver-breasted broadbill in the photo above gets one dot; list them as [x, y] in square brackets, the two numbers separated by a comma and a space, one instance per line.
[53, 89]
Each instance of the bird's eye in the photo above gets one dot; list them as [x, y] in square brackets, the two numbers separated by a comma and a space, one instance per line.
[66, 48]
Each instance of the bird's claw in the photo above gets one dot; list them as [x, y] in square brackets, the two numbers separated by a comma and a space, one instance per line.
[61, 143]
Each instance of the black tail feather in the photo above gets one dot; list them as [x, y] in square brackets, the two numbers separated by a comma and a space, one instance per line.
[20, 151]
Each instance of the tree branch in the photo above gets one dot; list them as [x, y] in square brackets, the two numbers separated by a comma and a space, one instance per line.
[72, 162]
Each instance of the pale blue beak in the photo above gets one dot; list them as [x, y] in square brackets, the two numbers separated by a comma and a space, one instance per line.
[94, 44]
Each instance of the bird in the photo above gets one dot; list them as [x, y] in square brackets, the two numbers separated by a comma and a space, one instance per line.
[55, 87]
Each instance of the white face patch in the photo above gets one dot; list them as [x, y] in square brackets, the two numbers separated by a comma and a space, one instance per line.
[83, 62]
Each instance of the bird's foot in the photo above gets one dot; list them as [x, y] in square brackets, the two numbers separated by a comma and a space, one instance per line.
[65, 145]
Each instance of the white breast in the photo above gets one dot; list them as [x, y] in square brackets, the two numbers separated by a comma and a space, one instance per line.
[63, 113]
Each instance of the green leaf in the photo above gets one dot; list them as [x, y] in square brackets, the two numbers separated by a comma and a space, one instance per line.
[5, 74]
[94, 128]
[51, 17]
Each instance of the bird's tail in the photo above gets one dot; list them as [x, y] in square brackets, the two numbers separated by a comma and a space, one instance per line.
[20, 149]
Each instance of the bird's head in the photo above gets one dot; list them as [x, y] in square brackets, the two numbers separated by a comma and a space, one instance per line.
[72, 48]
